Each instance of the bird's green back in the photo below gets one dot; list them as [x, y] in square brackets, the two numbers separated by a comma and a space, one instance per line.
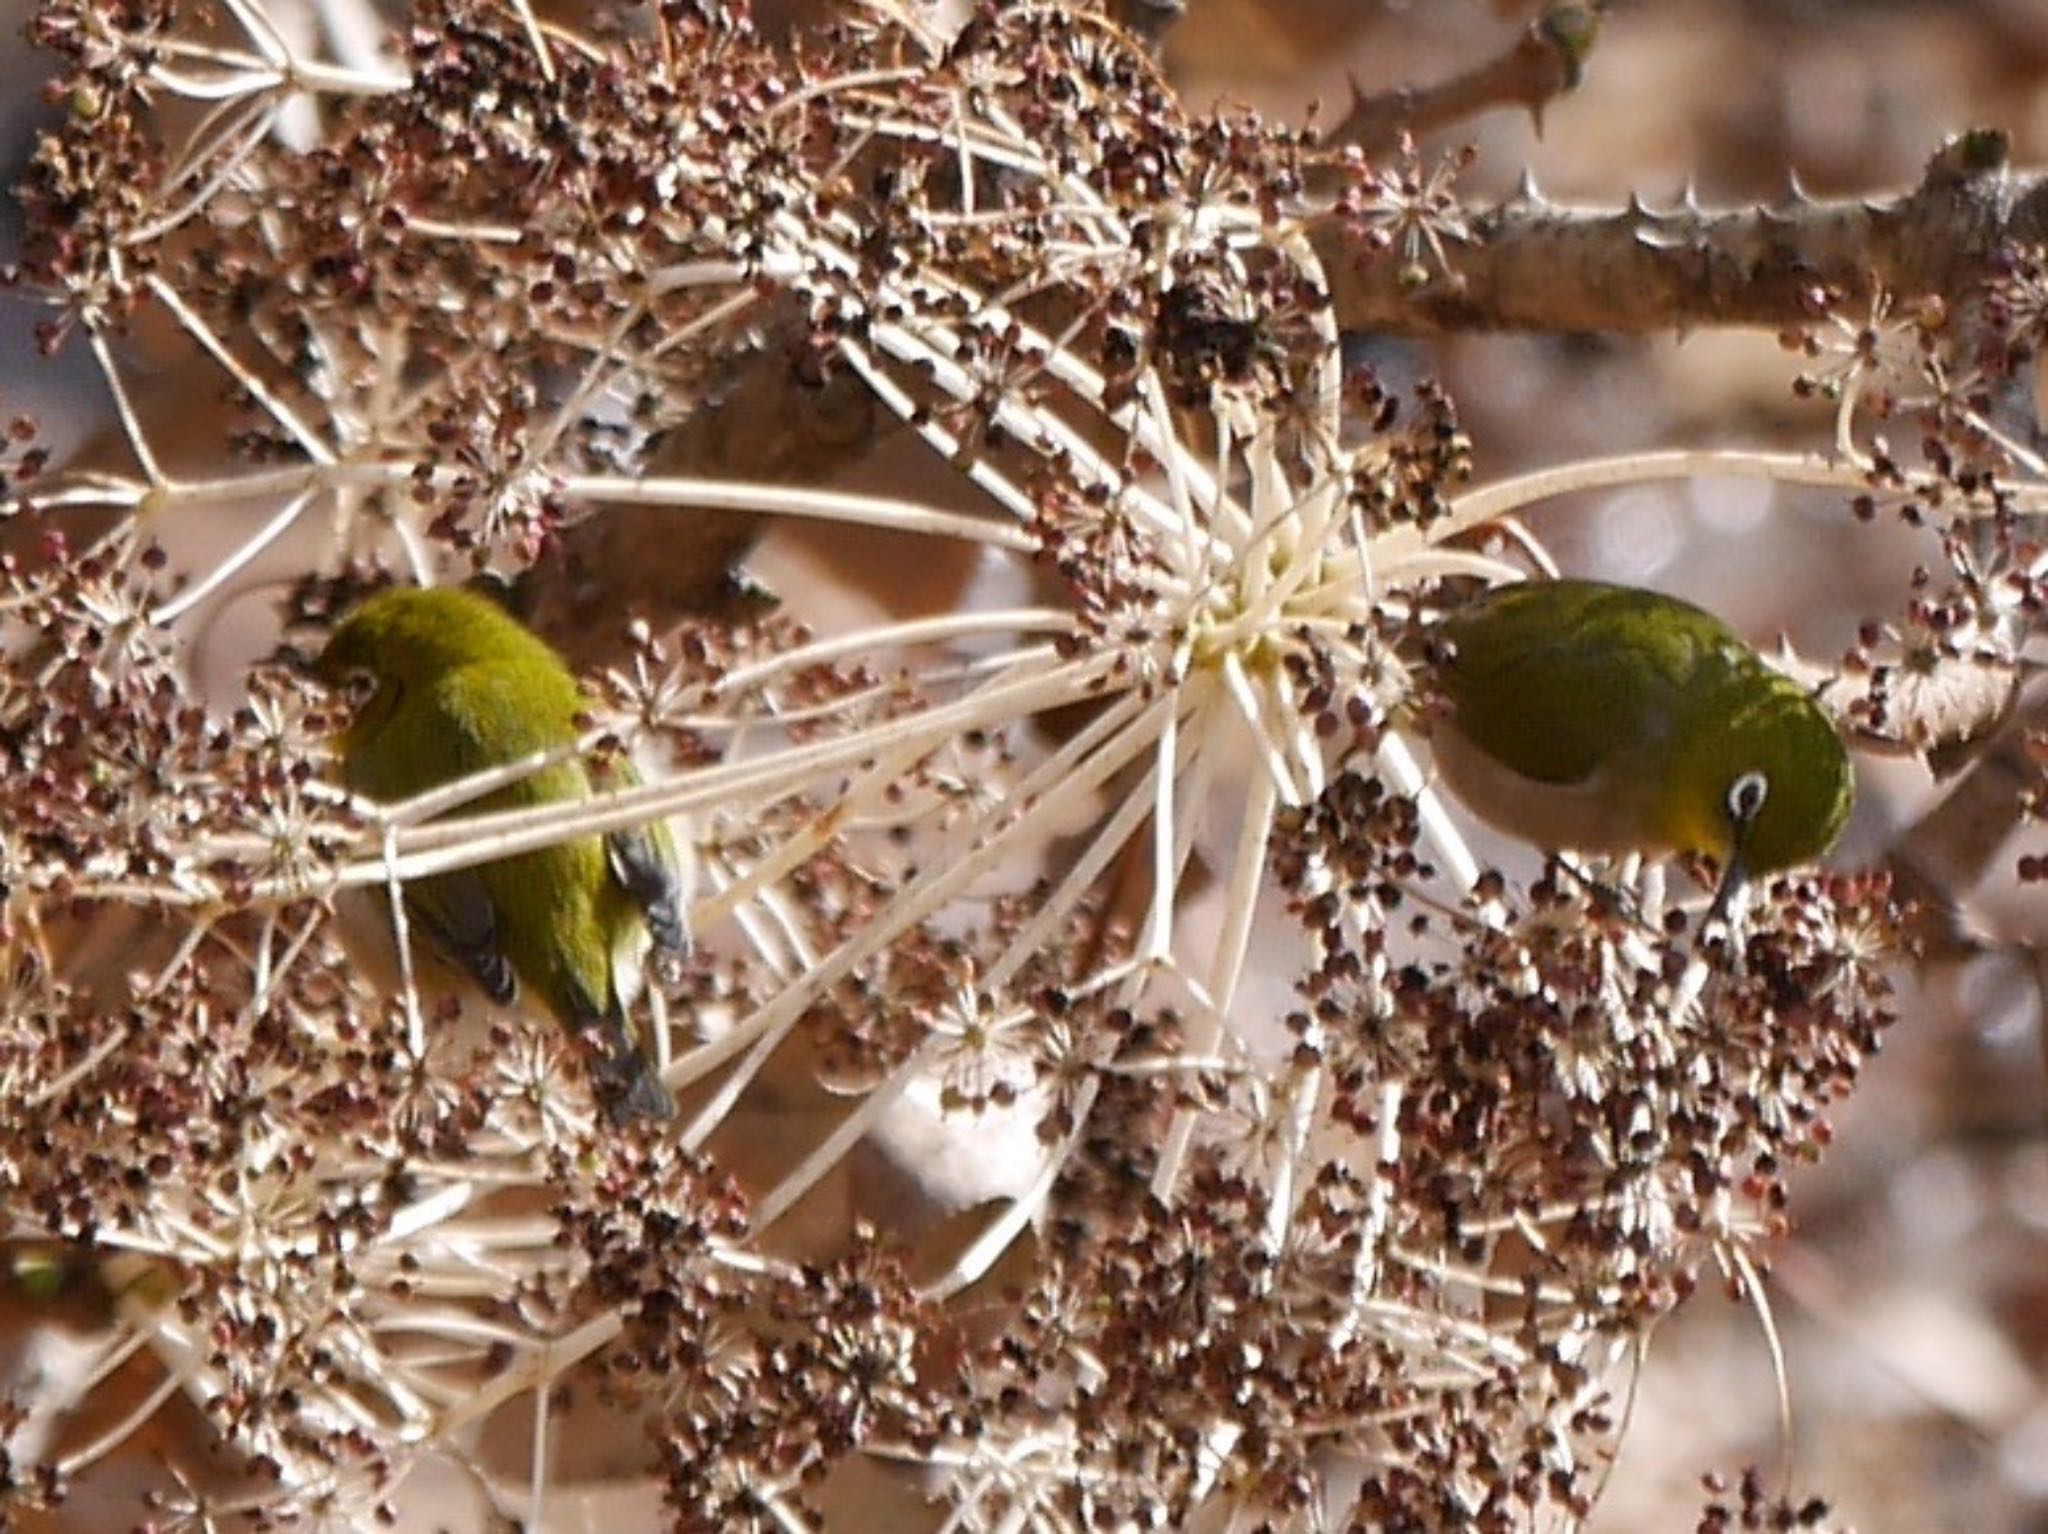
[462, 687]
[1542, 670]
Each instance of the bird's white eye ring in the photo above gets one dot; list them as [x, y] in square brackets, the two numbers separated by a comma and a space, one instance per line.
[1746, 797]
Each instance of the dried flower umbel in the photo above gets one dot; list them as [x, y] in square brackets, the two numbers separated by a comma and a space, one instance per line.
[1387, 1169]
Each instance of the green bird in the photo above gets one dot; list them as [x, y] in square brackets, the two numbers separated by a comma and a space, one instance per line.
[454, 685]
[1607, 719]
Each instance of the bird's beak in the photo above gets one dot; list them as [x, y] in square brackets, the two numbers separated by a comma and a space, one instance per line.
[300, 662]
[1734, 879]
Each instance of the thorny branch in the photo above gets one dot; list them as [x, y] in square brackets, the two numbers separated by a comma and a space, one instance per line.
[1530, 264]
[1543, 63]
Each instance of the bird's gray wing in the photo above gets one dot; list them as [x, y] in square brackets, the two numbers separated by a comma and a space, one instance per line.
[457, 913]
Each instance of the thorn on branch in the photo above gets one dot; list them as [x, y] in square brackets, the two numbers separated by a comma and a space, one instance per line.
[1545, 62]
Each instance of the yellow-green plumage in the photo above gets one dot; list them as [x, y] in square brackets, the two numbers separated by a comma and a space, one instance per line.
[458, 686]
[1608, 719]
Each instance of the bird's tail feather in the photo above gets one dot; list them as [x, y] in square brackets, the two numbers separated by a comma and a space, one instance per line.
[624, 1079]
[628, 1087]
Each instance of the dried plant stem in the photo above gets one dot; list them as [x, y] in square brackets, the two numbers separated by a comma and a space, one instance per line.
[1476, 508]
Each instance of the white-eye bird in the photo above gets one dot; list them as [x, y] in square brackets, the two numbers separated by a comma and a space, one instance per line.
[1606, 719]
[455, 685]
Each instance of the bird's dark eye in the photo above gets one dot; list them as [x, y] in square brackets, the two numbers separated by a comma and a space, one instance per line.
[359, 686]
[1746, 797]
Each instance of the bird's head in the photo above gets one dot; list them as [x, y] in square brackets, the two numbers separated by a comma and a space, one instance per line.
[406, 633]
[1759, 779]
